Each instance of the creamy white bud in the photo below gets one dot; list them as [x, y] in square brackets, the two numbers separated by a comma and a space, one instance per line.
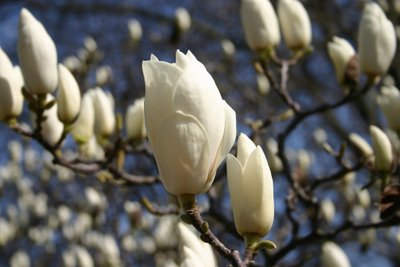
[260, 24]
[295, 24]
[68, 96]
[135, 31]
[83, 127]
[334, 256]
[341, 52]
[104, 113]
[134, 120]
[192, 120]
[376, 41]
[52, 127]
[104, 75]
[251, 189]
[389, 101]
[182, 19]
[364, 198]
[11, 98]
[228, 48]
[328, 210]
[37, 55]
[361, 145]
[72, 63]
[382, 149]
[90, 44]
[263, 84]
[20, 259]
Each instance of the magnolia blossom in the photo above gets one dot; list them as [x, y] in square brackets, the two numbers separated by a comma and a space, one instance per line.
[83, 126]
[389, 101]
[295, 24]
[135, 120]
[328, 210]
[382, 149]
[190, 128]
[260, 24]
[37, 55]
[340, 52]
[202, 250]
[376, 40]
[68, 96]
[104, 112]
[135, 31]
[361, 145]
[52, 127]
[251, 189]
[333, 256]
[11, 98]
[182, 19]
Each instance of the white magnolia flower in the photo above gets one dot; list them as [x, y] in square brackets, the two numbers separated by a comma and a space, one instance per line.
[37, 55]
[251, 189]
[134, 120]
[341, 52]
[182, 19]
[260, 24]
[52, 127]
[104, 113]
[135, 31]
[361, 145]
[389, 101]
[203, 250]
[83, 127]
[295, 24]
[376, 41]
[190, 128]
[68, 96]
[382, 149]
[334, 256]
[11, 98]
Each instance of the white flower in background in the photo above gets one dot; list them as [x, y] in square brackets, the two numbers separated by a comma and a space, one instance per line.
[104, 113]
[52, 127]
[251, 189]
[361, 145]
[334, 256]
[341, 52]
[190, 128]
[295, 24]
[328, 210]
[203, 250]
[376, 41]
[104, 75]
[263, 84]
[260, 24]
[228, 48]
[91, 149]
[382, 149]
[11, 98]
[37, 55]
[135, 31]
[83, 127]
[20, 259]
[68, 96]
[389, 101]
[182, 19]
[134, 120]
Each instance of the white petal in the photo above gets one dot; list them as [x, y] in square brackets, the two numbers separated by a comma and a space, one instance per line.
[182, 60]
[190, 258]
[236, 185]
[244, 148]
[160, 79]
[68, 96]
[182, 151]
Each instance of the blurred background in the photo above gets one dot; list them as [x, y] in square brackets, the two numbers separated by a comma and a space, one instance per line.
[50, 216]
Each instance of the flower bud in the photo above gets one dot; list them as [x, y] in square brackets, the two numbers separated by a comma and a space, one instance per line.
[182, 20]
[190, 240]
[334, 256]
[382, 149]
[376, 41]
[104, 75]
[68, 96]
[135, 120]
[362, 146]
[104, 113]
[295, 24]
[341, 52]
[328, 210]
[260, 24]
[389, 101]
[83, 127]
[192, 120]
[11, 98]
[251, 189]
[37, 55]
[52, 127]
[135, 31]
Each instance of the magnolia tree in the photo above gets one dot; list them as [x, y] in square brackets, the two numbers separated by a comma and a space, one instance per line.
[227, 160]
